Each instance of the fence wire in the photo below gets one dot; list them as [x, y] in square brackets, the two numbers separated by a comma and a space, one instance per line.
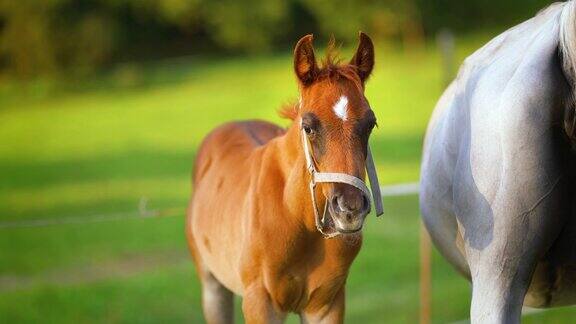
[144, 212]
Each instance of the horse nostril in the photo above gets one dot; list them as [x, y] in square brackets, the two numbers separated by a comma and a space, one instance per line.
[349, 203]
[334, 202]
[339, 204]
[365, 203]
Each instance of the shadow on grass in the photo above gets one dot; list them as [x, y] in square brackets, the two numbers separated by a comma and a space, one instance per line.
[143, 164]
[94, 186]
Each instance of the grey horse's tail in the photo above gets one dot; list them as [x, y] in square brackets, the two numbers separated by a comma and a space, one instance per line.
[568, 52]
[568, 39]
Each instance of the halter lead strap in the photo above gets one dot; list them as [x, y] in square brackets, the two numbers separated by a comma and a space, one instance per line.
[319, 177]
[374, 184]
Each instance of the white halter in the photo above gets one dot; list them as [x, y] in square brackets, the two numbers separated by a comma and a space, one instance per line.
[317, 177]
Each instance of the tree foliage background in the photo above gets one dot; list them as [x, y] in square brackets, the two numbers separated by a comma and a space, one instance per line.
[57, 36]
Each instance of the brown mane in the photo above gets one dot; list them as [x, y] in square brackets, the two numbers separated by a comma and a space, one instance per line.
[330, 69]
[288, 111]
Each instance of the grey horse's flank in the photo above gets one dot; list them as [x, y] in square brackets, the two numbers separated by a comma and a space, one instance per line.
[497, 180]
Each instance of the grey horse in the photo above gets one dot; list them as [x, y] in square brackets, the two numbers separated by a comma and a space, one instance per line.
[498, 190]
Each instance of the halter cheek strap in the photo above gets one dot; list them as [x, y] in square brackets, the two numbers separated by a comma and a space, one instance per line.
[331, 177]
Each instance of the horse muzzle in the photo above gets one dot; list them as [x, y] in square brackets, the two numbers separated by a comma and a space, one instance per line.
[347, 217]
[348, 208]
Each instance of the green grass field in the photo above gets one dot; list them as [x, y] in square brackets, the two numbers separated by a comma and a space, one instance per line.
[98, 147]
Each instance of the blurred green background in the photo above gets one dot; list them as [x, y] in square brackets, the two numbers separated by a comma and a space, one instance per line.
[103, 104]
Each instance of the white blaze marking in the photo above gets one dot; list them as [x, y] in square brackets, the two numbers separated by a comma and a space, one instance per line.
[341, 108]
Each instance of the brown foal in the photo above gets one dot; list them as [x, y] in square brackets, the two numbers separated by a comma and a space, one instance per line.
[251, 224]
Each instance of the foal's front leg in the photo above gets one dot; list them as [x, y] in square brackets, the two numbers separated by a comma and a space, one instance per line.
[258, 307]
[329, 314]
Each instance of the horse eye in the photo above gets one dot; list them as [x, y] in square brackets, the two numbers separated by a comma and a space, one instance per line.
[307, 129]
[372, 125]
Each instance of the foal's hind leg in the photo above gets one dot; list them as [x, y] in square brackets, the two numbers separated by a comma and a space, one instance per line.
[217, 301]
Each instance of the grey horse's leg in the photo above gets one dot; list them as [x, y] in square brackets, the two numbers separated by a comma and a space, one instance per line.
[498, 290]
[502, 270]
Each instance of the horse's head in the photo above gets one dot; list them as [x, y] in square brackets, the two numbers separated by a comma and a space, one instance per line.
[337, 120]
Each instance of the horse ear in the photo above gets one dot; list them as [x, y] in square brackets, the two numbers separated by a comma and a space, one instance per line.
[304, 60]
[364, 57]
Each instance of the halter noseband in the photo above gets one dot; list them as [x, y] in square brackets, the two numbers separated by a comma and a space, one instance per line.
[318, 177]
